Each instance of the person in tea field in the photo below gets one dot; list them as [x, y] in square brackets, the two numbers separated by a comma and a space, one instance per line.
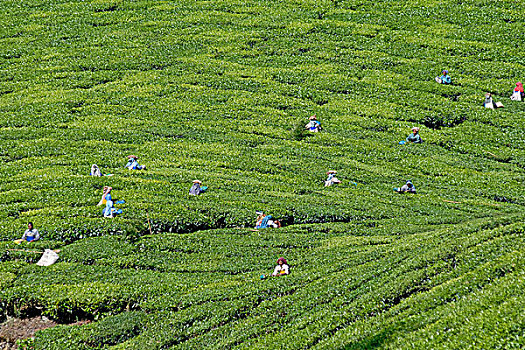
[489, 102]
[109, 211]
[196, 188]
[95, 171]
[406, 188]
[133, 164]
[30, 235]
[444, 78]
[331, 178]
[518, 94]
[106, 195]
[414, 137]
[313, 125]
[265, 221]
[282, 268]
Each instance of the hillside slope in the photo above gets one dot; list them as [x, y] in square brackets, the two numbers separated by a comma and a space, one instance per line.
[217, 90]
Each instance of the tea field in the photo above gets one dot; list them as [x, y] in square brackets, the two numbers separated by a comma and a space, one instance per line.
[220, 91]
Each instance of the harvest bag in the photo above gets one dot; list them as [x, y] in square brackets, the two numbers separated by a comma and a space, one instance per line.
[516, 96]
[48, 258]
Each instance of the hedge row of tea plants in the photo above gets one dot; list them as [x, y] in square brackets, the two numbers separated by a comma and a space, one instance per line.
[219, 91]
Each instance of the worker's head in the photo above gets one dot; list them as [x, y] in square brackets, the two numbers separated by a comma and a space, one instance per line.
[282, 261]
[488, 94]
[30, 225]
[313, 117]
[445, 72]
[197, 182]
[409, 184]
[107, 189]
[415, 130]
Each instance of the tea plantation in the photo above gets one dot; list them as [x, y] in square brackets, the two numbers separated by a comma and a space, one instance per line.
[220, 91]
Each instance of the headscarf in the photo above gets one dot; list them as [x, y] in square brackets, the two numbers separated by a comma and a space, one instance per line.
[95, 171]
[519, 87]
[283, 260]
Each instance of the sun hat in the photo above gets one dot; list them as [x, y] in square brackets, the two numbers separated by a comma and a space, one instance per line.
[132, 156]
[331, 172]
[313, 117]
[415, 128]
[283, 260]
[197, 182]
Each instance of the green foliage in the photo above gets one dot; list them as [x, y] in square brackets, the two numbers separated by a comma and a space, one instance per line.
[299, 132]
[221, 91]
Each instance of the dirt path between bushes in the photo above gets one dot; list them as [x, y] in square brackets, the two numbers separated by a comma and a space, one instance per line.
[15, 329]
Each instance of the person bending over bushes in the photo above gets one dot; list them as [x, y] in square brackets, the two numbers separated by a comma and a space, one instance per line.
[518, 94]
[331, 178]
[313, 125]
[266, 221]
[406, 188]
[30, 235]
[489, 102]
[109, 211]
[196, 188]
[133, 164]
[95, 171]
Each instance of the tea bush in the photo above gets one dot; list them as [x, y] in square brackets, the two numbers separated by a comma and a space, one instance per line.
[220, 91]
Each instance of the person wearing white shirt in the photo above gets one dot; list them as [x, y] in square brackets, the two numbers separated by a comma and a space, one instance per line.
[282, 268]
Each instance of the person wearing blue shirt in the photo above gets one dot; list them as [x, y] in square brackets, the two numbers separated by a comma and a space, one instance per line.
[313, 125]
[133, 164]
[31, 234]
[444, 78]
[196, 188]
[414, 137]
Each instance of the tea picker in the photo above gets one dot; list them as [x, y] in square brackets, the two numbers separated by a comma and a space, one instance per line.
[444, 78]
[282, 268]
[95, 171]
[196, 188]
[489, 102]
[518, 94]
[313, 125]
[414, 137]
[266, 221]
[133, 163]
[109, 211]
[30, 235]
[408, 187]
[331, 180]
